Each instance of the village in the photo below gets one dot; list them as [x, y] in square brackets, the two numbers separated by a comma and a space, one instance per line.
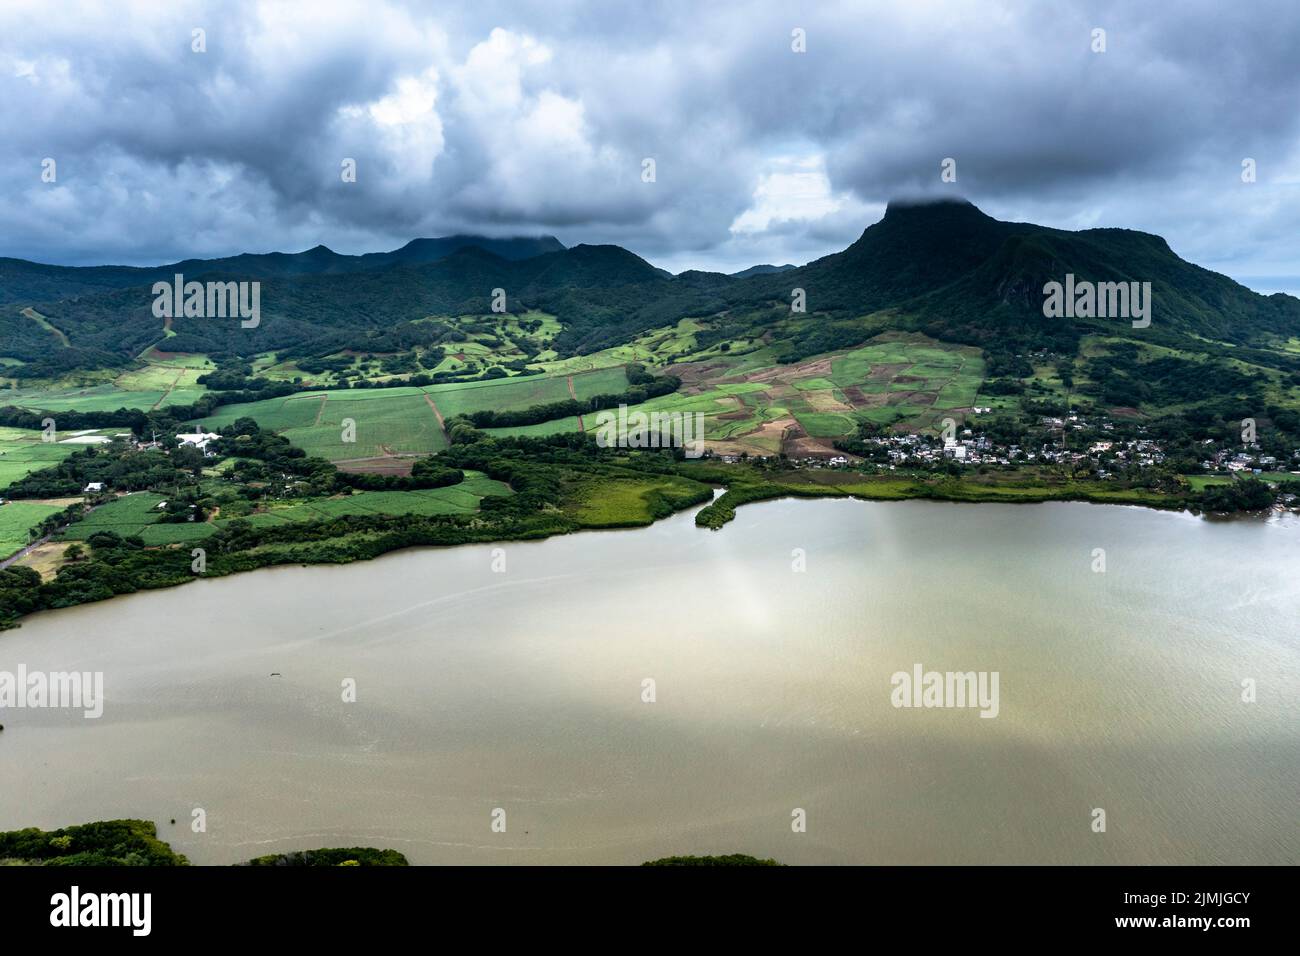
[1072, 441]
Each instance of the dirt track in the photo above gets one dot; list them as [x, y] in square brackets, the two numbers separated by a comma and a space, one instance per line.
[574, 395]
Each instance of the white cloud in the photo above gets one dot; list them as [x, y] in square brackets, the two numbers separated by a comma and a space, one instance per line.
[499, 117]
[794, 189]
[491, 80]
[404, 127]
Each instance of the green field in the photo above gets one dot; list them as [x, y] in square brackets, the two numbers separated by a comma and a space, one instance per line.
[16, 519]
[402, 421]
[621, 503]
[389, 421]
[157, 381]
[516, 394]
[89, 398]
[175, 384]
[904, 381]
[556, 426]
[498, 394]
[1285, 480]
[458, 499]
[180, 360]
[138, 514]
[152, 386]
[128, 515]
[22, 451]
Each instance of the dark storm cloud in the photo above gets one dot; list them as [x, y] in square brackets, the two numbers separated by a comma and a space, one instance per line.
[509, 118]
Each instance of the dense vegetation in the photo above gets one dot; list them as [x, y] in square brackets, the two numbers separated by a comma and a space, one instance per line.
[106, 843]
[730, 859]
[136, 843]
[349, 856]
[1249, 495]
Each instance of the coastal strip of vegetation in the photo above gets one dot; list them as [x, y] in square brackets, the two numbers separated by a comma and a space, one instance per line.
[235, 505]
[1244, 495]
[227, 503]
[136, 843]
[156, 511]
[729, 859]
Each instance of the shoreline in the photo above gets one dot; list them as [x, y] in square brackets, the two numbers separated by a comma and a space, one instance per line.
[702, 518]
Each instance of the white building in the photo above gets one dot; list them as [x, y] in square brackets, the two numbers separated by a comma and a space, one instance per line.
[197, 440]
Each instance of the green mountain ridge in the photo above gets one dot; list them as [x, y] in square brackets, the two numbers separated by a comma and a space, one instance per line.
[945, 268]
[28, 282]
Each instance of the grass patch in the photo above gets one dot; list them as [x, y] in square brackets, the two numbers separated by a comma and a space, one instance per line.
[126, 516]
[16, 519]
[400, 421]
[635, 502]
[463, 498]
[22, 452]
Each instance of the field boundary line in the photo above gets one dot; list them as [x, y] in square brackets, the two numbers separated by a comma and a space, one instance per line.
[437, 414]
[170, 389]
[574, 395]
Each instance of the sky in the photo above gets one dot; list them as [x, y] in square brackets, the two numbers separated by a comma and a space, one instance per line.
[777, 131]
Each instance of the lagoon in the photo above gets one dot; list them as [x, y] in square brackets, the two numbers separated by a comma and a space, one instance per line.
[526, 690]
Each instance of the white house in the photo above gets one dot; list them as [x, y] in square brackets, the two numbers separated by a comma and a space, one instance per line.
[93, 486]
[197, 440]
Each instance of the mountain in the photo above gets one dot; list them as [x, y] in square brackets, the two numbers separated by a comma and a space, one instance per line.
[32, 282]
[944, 268]
[761, 271]
[1004, 292]
[593, 287]
[419, 251]
[964, 275]
[585, 265]
[914, 249]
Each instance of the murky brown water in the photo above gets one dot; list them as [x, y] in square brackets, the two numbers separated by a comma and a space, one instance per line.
[523, 691]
